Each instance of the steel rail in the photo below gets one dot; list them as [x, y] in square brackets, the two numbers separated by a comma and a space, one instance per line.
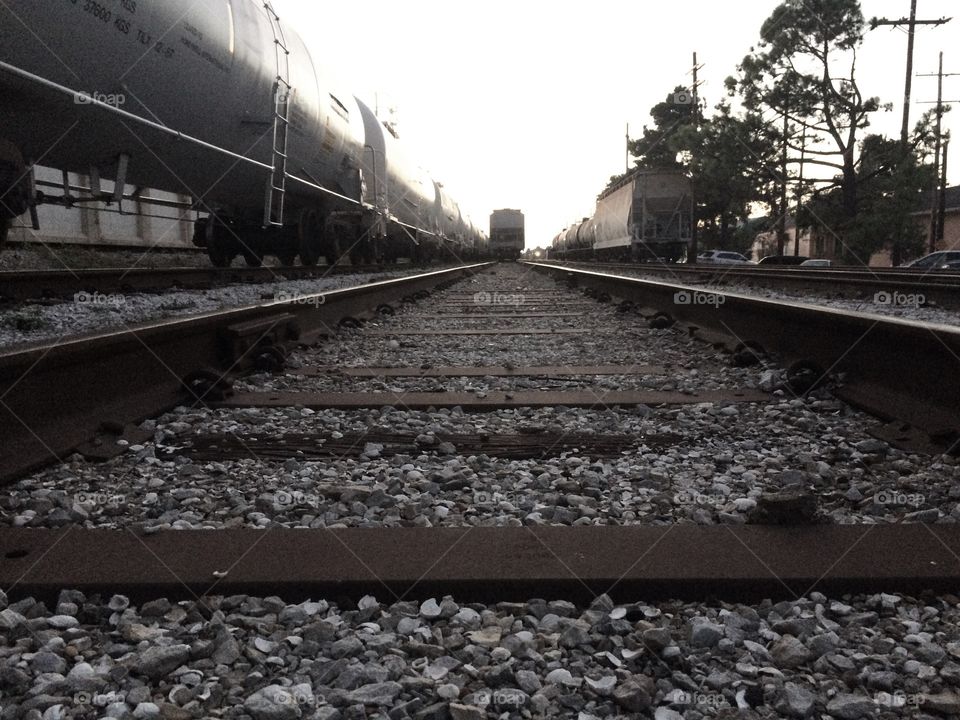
[19, 285]
[895, 369]
[941, 288]
[55, 398]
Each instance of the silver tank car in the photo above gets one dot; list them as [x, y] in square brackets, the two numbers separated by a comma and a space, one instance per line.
[220, 101]
[404, 198]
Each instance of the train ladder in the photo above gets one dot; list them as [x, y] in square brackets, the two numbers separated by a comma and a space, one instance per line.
[277, 183]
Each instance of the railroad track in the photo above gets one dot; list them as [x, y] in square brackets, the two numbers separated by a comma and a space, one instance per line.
[17, 286]
[935, 288]
[710, 522]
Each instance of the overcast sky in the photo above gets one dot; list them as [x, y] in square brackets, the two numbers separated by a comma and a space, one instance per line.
[514, 103]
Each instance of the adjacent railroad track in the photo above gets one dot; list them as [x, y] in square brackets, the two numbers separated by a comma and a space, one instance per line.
[935, 287]
[18, 286]
[59, 397]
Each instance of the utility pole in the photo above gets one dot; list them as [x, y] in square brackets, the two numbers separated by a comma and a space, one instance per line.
[938, 196]
[796, 221]
[784, 210]
[911, 24]
[896, 250]
[935, 197]
[628, 149]
[943, 192]
[695, 101]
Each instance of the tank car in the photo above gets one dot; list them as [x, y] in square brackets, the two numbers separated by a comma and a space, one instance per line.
[218, 101]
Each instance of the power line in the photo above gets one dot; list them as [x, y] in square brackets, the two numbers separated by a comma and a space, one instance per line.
[937, 203]
[911, 23]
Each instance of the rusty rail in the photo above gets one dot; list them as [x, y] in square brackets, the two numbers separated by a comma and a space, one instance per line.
[16, 285]
[895, 369]
[937, 287]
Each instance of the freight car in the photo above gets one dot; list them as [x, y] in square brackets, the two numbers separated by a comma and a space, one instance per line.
[644, 217]
[220, 102]
[507, 234]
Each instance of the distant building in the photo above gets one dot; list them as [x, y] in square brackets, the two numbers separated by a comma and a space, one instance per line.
[951, 227]
[824, 245]
[951, 220]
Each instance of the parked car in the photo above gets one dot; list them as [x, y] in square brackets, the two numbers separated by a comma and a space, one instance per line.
[723, 257]
[942, 260]
[783, 260]
[816, 262]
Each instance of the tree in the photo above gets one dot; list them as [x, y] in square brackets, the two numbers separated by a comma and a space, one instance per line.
[726, 157]
[790, 72]
[660, 145]
[890, 189]
[658, 148]
[731, 165]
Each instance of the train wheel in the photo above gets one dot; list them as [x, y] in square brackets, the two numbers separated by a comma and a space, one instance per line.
[331, 246]
[362, 252]
[14, 189]
[219, 258]
[310, 237]
[287, 258]
[221, 247]
[375, 252]
[253, 258]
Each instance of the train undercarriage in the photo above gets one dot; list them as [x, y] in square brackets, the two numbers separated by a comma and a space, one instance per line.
[332, 237]
[14, 187]
[669, 252]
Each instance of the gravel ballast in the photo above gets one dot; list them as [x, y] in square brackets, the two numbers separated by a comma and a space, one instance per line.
[92, 313]
[880, 656]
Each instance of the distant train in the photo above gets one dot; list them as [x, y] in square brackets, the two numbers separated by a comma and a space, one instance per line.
[220, 102]
[644, 217]
[507, 234]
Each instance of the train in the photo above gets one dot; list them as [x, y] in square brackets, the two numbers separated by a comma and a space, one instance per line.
[644, 217]
[222, 103]
[507, 234]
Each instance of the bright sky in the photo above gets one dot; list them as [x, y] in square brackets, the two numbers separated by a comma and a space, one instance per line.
[524, 104]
